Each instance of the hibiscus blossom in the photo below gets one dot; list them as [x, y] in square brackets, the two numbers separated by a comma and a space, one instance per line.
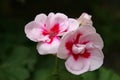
[47, 30]
[83, 50]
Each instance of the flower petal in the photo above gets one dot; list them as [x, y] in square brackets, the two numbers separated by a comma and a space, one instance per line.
[48, 48]
[57, 18]
[77, 66]
[96, 58]
[33, 31]
[93, 39]
[86, 29]
[49, 20]
[73, 24]
[41, 19]
[63, 53]
[85, 19]
[61, 19]
[63, 28]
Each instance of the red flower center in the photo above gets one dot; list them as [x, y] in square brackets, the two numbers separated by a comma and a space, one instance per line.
[69, 47]
[52, 33]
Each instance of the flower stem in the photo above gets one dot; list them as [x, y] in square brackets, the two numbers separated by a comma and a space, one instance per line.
[55, 74]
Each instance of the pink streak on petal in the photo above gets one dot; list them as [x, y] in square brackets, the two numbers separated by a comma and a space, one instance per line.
[77, 38]
[55, 28]
[51, 40]
[86, 54]
[76, 56]
[68, 46]
[85, 42]
[45, 32]
[65, 30]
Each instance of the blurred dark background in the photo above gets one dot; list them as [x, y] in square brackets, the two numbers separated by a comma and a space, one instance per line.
[19, 59]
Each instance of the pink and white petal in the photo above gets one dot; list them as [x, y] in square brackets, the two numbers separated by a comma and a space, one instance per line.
[63, 53]
[86, 29]
[41, 19]
[93, 39]
[48, 48]
[60, 17]
[96, 59]
[57, 18]
[49, 21]
[77, 67]
[33, 31]
[72, 24]
[63, 22]
[85, 19]
[86, 16]
[63, 27]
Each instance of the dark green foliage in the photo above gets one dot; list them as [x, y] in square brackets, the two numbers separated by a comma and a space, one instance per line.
[101, 74]
[17, 64]
[42, 74]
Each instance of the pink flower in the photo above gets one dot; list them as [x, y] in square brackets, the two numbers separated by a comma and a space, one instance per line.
[47, 30]
[82, 49]
[85, 19]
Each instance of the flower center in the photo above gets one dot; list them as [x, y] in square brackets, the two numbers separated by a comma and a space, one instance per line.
[78, 48]
[54, 31]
